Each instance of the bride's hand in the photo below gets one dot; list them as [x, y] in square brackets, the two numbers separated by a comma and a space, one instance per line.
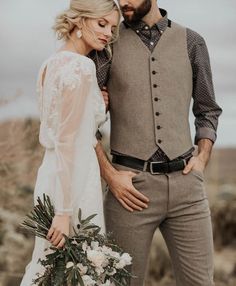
[105, 97]
[60, 226]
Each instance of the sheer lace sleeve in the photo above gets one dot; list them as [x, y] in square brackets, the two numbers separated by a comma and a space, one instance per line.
[71, 108]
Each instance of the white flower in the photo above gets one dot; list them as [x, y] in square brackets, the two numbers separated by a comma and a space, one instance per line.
[82, 269]
[96, 257]
[69, 264]
[107, 250]
[85, 246]
[125, 259]
[99, 270]
[95, 245]
[88, 281]
[115, 254]
[120, 264]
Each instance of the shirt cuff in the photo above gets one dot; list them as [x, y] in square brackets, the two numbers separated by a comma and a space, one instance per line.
[205, 133]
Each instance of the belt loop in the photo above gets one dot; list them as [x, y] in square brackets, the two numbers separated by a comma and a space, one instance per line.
[145, 166]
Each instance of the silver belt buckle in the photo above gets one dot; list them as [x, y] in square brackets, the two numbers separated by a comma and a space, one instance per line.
[151, 168]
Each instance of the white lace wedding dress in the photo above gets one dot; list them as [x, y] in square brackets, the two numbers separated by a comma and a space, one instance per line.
[72, 108]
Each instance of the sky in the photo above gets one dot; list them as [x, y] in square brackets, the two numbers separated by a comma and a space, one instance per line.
[27, 40]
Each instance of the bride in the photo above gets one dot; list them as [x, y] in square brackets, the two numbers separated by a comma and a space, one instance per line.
[72, 108]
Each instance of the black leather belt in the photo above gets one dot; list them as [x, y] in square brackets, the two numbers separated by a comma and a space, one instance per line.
[154, 168]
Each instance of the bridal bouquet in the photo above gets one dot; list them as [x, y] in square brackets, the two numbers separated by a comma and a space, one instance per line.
[88, 258]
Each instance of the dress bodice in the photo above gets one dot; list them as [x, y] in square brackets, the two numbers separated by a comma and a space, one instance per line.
[67, 74]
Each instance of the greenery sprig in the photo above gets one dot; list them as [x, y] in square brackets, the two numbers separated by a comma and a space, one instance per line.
[88, 257]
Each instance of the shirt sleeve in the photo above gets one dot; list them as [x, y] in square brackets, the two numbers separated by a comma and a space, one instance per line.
[103, 64]
[74, 97]
[205, 108]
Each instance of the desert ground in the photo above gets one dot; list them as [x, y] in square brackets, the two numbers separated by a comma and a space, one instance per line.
[20, 156]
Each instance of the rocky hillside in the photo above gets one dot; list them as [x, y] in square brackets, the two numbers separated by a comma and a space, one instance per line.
[20, 156]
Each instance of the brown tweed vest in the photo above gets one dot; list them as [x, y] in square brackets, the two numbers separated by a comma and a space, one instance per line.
[150, 94]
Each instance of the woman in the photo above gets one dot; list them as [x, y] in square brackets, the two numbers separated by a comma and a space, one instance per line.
[72, 108]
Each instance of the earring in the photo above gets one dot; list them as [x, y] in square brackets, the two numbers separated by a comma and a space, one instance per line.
[79, 34]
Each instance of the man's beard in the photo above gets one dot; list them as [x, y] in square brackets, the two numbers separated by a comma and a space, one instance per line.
[138, 13]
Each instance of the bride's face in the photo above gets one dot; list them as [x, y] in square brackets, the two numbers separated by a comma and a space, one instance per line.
[98, 32]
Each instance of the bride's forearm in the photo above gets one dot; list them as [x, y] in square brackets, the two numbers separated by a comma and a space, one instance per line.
[106, 168]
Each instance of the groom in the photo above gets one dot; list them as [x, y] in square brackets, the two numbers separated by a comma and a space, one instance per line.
[154, 180]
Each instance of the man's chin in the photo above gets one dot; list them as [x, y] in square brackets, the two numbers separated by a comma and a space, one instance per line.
[128, 16]
[129, 19]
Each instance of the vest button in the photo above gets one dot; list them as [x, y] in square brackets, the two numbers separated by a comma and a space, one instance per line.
[156, 98]
[158, 127]
[157, 113]
[159, 141]
[155, 85]
[154, 72]
[153, 59]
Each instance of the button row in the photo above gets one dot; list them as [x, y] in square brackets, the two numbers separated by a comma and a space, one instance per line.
[156, 99]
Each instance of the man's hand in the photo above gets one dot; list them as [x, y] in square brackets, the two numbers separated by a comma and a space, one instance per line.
[200, 161]
[121, 186]
[195, 163]
[120, 183]
[60, 226]
[105, 97]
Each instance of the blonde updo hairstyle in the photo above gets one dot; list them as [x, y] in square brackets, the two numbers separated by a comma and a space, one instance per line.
[79, 11]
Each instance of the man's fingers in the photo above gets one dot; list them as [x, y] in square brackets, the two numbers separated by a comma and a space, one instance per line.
[139, 195]
[125, 205]
[136, 201]
[105, 95]
[188, 167]
[133, 173]
[132, 205]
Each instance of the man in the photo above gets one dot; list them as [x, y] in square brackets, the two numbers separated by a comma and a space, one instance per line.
[155, 181]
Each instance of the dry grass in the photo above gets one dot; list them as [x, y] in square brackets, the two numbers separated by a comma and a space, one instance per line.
[20, 157]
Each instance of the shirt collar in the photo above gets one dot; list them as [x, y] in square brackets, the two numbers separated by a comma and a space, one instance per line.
[161, 25]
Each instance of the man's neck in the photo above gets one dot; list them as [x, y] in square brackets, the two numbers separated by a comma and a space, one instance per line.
[153, 16]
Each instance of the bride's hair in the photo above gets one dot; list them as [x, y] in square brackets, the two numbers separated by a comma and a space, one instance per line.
[80, 10]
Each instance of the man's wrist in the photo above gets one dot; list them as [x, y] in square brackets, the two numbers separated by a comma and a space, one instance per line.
[204, 150]
[108, 173]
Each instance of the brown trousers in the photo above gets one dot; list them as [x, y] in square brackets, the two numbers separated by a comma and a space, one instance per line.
[179, 207]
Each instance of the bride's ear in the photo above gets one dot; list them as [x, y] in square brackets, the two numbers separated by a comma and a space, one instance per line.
[80, 24]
